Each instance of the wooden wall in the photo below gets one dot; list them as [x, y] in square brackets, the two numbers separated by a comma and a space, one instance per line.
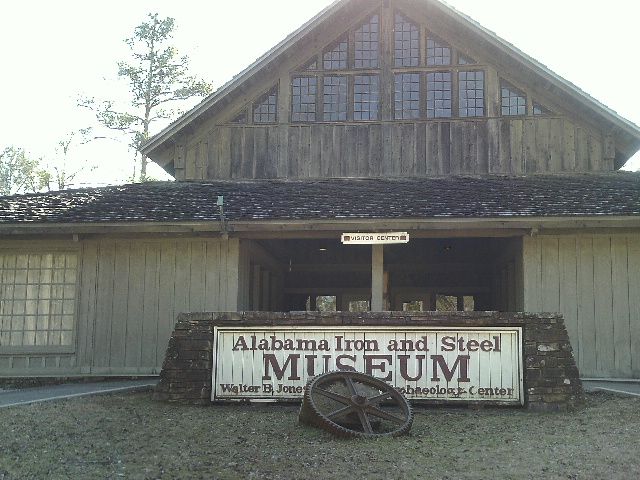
[130, 292]
[594, 281]
[507, 288]
[493, 145]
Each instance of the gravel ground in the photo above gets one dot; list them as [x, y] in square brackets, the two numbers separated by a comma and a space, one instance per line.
[132, 436]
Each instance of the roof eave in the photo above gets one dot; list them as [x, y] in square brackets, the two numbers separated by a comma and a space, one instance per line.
[523, 224]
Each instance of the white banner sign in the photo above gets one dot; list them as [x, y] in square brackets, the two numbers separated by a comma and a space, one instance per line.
[424, 363]
[374, 238]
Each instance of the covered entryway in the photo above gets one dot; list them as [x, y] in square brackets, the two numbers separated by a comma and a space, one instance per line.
[446, 274]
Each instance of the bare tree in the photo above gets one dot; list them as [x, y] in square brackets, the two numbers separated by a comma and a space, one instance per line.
[59, 173]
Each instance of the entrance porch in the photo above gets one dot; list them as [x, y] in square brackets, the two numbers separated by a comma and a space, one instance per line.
[427, 274]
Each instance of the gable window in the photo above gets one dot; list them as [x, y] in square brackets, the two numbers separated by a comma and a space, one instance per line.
[265, 110]
[514, 102]
[345, 81]
[464, 60]
[407, 42]
[335, 98]
[311, 65]
[303, 99]
[407, 96]
[439, 95]
[241, 118]
[37, 299]
[540, 110]
[437, 53]
[366, 44]
[471, 93]
[365, 97]
[336, 57]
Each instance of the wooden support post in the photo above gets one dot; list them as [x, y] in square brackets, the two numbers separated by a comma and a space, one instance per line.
[255, 287]
[377, 278]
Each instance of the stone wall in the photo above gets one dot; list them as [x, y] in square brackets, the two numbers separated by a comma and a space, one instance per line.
[551, 379]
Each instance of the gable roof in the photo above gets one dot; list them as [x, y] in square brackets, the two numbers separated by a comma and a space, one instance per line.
[627, 134]
[455, 197]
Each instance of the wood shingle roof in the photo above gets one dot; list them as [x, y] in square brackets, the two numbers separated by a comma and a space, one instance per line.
[608, 194]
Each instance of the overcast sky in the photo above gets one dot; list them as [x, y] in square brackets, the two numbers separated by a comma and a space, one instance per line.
[52, 52]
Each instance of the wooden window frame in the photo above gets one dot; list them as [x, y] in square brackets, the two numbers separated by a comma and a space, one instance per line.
[393, 60]
[346, 39]
[346, 98]
[316, 110]
[484, 93]
[514, 92]
[353, 102]
[260, 100]
[352, 38]
[50, 349]
[420, 99]
[451, 93]
[440, 44]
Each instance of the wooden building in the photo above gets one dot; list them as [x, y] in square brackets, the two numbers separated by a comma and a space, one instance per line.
[376, 115]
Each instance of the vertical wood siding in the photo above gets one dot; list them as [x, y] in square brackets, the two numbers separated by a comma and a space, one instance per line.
[130, 294]
[594, 281]
[494, 145]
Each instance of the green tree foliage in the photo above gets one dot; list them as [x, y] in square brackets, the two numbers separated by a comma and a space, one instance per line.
[19, 173]
[158, 81]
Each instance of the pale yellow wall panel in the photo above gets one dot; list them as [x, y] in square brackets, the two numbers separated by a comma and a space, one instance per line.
[166, 298]
[567, 261]
[594, 281]
[603, 299]
[550, 274]
[586, 306]
[620, 304]
[633, 245]
[532, 274]
[135, 306]
[151, 316]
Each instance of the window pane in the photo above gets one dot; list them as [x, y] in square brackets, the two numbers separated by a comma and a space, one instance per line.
[407, 42]
[31, 292]
[514, 102]
[303, 99]
[240, 118]
[438, 53]
[407, 95]
[471, 93]
[439, 95]
[365, 97]
[366, 44]
[336, 57]
[539, 110]
[335, 98]
[265, 111]
[464, 60]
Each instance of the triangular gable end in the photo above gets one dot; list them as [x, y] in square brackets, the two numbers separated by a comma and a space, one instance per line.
[427, 34]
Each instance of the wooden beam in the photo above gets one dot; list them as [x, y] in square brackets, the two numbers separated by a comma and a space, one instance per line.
[377, 278]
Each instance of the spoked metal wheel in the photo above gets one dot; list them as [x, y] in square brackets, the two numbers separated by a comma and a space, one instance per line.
[352, 404]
